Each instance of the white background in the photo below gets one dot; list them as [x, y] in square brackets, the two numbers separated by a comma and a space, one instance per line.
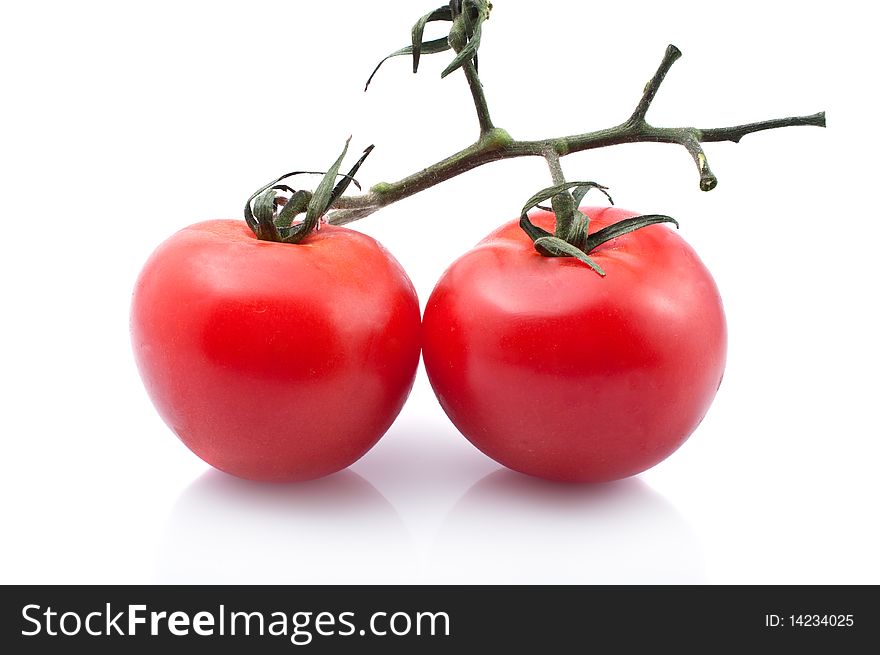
[123, 122]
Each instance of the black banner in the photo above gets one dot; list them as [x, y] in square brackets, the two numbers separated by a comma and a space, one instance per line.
[438, 619]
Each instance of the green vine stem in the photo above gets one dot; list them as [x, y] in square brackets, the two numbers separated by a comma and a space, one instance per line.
[464, 29]
[272, 216]
[496, 144]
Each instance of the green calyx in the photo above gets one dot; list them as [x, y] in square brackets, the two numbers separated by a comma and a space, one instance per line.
[466, 16]
[272, 210]
[572, 237]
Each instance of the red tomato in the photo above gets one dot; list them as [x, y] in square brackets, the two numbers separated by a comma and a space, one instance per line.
[274, 361]
[559, 373]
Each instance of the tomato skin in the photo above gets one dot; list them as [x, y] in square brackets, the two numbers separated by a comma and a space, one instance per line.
[559, 373]
[274, 361]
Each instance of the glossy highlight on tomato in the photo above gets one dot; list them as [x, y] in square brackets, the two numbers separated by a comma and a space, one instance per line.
[275, 361]
[559, 373]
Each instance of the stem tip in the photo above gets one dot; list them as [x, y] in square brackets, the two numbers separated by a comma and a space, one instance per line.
[708, 183]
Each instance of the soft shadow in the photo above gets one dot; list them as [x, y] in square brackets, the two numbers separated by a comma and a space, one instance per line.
[419, 462]
[510, 528]
[337, 529]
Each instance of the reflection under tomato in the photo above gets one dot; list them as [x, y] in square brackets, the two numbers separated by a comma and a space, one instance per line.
[510, 528]
[224, 530]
